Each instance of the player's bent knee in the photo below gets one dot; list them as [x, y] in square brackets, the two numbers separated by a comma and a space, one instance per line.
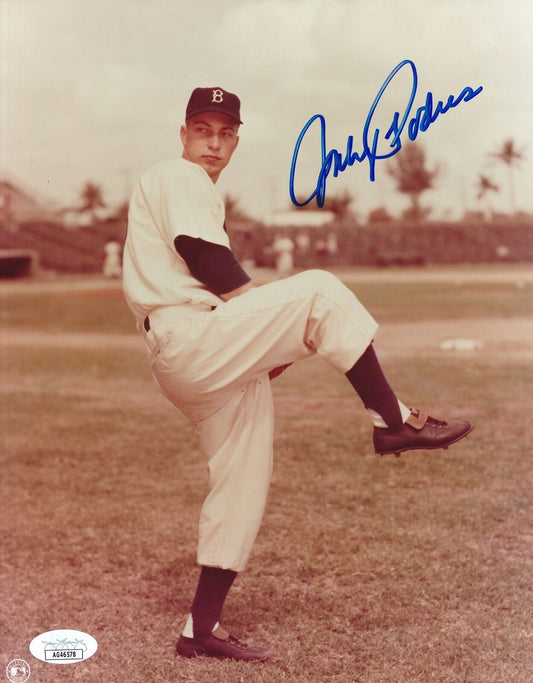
[320, 280]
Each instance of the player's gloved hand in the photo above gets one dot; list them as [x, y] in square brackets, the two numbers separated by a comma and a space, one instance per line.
[275, 372]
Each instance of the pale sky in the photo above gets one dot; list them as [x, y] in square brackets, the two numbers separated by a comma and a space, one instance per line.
[96, 90]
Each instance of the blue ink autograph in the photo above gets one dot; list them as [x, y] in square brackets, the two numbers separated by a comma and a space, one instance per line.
[420, 122]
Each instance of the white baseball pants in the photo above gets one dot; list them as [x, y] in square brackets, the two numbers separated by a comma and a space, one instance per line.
[213, 366]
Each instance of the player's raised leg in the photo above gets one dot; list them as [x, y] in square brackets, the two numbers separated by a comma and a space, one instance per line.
[314, 312]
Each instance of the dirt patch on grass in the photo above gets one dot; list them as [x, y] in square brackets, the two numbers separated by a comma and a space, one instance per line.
[488, 336]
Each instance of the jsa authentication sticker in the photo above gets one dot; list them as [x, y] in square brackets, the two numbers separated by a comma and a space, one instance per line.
[64, 646]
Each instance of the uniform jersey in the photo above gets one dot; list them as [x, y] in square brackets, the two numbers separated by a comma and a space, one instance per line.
[174, 199]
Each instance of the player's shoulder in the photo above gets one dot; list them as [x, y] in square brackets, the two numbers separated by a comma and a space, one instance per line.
[175, 166]
[178, 180]
[174, 173]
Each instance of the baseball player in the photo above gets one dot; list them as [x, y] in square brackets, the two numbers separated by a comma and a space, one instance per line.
[215, 341]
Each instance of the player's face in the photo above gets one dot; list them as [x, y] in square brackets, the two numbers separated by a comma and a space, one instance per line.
[209, 140]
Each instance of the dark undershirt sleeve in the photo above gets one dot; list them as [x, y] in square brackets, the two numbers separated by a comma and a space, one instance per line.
[213, 264]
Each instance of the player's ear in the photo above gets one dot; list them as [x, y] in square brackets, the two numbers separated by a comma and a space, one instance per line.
[183, 134]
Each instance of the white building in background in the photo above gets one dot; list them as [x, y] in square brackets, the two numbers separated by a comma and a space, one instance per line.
[74, 218]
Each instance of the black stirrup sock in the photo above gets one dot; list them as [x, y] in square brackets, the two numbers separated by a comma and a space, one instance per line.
[370, 383]
[213, 586]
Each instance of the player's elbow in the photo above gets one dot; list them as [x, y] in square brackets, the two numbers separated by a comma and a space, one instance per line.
[236, 292]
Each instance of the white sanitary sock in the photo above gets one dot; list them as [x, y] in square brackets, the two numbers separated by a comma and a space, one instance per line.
[188, 630]
[380, 422]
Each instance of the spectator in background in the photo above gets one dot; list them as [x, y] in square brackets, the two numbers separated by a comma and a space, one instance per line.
[112, 263]
[303, 245]
[321, 252]
[332, 247]
[284, 249]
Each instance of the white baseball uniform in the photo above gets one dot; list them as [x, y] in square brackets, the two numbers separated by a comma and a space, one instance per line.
[211, 358]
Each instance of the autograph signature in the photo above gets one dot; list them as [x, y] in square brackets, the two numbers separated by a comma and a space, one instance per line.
[334, 161]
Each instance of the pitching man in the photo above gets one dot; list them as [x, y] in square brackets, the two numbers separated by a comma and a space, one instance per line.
[215, 341]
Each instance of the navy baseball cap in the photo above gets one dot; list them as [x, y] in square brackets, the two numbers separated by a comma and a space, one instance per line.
[214, 99]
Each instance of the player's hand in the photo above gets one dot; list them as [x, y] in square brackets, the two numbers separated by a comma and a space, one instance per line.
[277, 371]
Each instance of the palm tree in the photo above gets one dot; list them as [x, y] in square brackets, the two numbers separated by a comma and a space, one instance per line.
[509, 155]
[408, 168]
[91, 196]
[484, 186]
[340, 206]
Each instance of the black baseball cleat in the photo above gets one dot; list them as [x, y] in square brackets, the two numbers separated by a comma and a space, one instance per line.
[221, 645]
[420, 431]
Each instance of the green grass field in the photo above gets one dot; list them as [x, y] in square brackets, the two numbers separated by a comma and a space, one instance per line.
[366, 568]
